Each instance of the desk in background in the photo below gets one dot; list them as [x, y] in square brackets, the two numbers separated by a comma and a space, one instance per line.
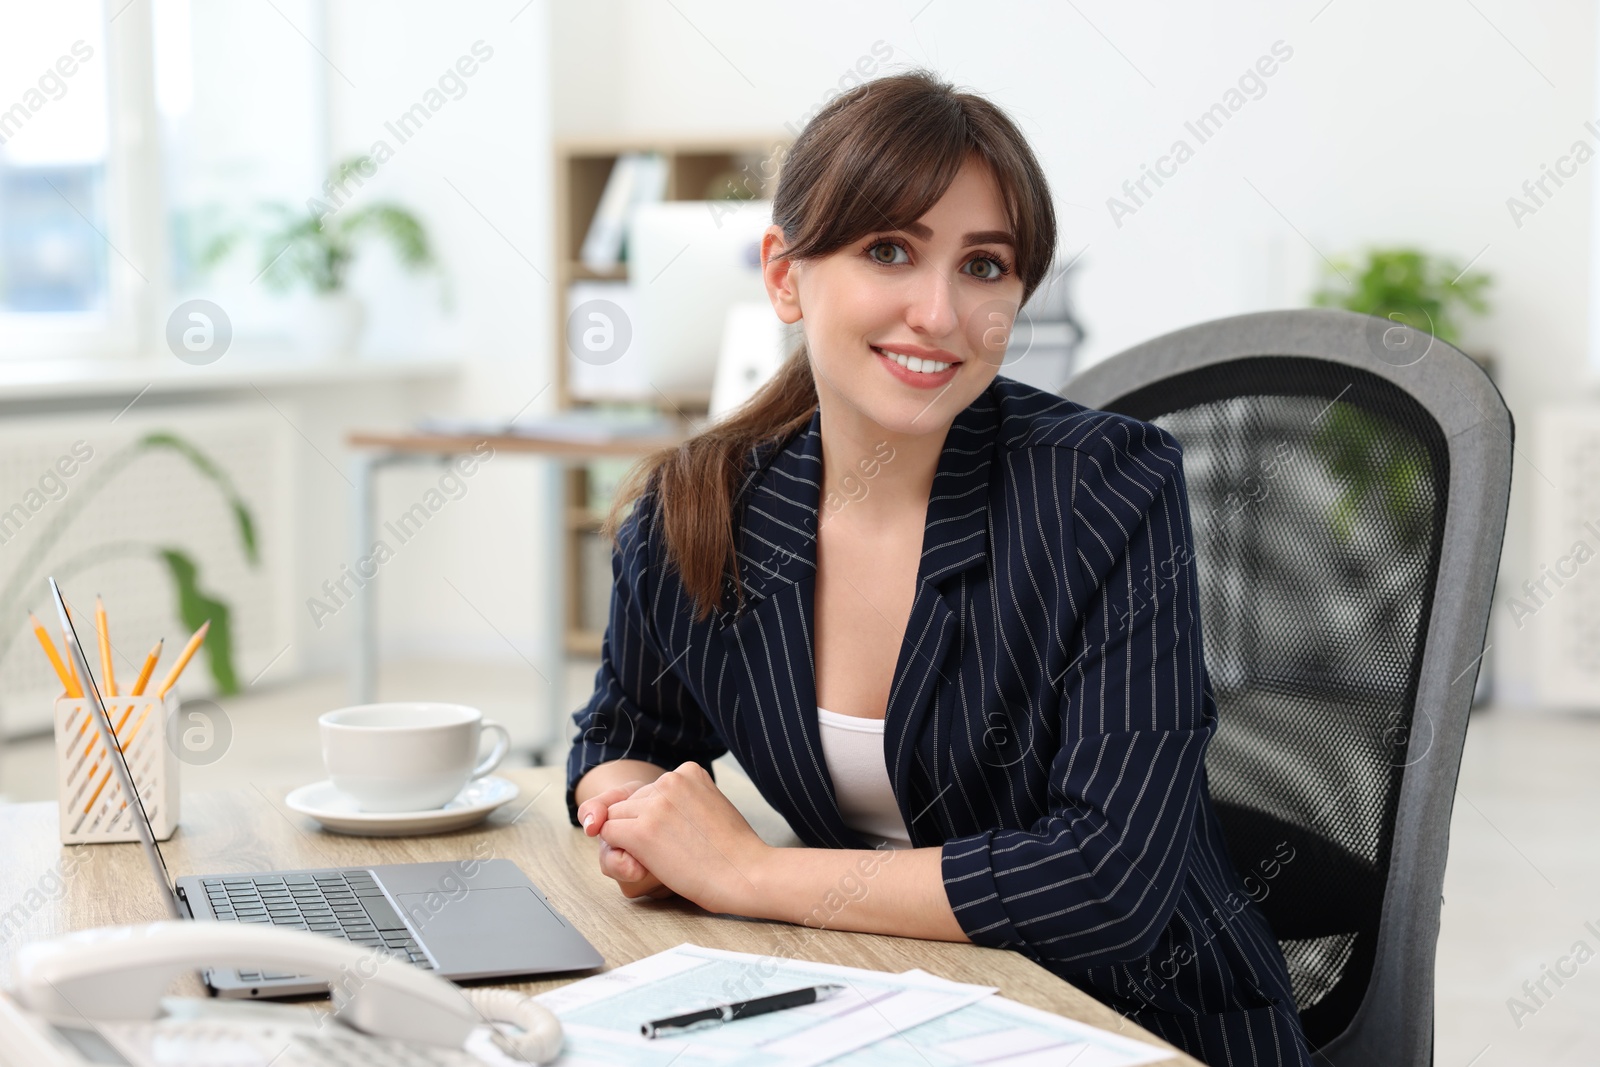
[248, 829]
[375, 451]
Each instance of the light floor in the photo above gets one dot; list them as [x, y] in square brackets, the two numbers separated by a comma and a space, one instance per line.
[1523, 878]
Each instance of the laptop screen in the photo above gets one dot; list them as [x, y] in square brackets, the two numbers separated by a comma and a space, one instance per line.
[141, 818]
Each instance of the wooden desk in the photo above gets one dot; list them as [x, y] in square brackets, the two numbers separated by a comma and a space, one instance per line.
[444, 444]
[248, 829]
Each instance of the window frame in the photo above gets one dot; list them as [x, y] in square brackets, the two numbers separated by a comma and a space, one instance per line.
[131, 235]
[140, 289]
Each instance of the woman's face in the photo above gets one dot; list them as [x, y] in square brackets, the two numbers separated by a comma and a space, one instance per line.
[907, 327]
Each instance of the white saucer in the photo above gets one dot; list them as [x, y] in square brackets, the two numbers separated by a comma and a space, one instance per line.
[339, 812]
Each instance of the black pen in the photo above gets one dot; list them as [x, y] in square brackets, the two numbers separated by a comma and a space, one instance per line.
[726, 1013]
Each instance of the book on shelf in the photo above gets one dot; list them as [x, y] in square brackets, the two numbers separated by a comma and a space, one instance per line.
[636, 178]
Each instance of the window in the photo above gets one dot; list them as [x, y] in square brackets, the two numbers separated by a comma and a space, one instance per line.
[55, 270]
[134, 135]
[239, 96]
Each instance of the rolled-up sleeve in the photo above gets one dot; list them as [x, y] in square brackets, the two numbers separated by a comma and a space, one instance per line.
[640, 708]
[1095, 879]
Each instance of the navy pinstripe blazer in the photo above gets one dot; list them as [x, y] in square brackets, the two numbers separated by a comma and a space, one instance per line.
[1047, 722]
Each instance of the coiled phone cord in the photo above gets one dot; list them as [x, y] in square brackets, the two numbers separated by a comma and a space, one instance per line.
[540, 1039]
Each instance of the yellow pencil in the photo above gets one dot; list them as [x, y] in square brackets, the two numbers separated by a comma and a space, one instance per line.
[123, 743]
[49, 647]
[148, 669]
[183, 659]
[95, 740]
[72, 669]
[103, 628]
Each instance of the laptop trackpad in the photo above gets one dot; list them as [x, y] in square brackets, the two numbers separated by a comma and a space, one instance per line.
[486, 931]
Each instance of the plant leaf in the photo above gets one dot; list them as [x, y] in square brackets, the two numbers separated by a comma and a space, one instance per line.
[403, 230]
[195, 608]
[208, 467]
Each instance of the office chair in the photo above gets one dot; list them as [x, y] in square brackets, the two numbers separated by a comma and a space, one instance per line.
[1348, 482]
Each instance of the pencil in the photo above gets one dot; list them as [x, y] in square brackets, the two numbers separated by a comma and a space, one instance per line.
[148, 669]
[123, 743]
[183, 659]
[49, 647]
[103, 628]
[72, 669]
[95, 740]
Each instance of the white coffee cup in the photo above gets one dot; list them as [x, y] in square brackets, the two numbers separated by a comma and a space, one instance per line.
[409, 756]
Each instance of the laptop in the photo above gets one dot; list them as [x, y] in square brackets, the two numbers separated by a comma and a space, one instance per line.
[469, 919]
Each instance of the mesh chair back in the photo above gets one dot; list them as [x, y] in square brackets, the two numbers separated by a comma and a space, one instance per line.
[1323, 480]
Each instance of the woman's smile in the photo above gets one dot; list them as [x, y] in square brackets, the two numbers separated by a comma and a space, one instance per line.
[920, 368]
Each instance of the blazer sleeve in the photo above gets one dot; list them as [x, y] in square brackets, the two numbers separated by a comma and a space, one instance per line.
[640, 708]
[1095, 880]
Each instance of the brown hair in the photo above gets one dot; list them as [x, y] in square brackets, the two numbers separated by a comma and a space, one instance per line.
[877, 158]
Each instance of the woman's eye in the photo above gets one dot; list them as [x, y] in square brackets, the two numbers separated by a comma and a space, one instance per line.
[894, 251]
[992, 268]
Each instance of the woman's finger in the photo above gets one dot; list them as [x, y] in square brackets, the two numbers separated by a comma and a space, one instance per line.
[652, 889]
[619, 865]
[626, 808]
[630, 875]
[597, 805]
[592, 813]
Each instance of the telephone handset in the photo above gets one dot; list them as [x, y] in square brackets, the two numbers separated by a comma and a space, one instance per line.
[96, 994]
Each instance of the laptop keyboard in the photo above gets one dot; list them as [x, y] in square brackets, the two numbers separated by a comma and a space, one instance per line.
[343, 904]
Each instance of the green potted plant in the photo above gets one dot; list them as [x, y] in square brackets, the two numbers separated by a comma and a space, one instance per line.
[1429, 293]
[312, 248]
[193, 601]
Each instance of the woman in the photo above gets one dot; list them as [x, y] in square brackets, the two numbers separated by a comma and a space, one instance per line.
[933, 612]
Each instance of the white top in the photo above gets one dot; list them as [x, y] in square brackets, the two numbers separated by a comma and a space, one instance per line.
[852, 747]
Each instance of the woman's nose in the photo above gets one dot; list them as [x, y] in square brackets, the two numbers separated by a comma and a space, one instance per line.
[932, 308]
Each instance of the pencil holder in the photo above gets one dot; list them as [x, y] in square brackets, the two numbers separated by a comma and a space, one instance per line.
[90, 794]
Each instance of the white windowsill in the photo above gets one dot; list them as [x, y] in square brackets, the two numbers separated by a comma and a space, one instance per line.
[64, 378]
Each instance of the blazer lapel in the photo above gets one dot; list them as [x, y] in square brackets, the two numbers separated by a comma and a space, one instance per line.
[955, 539]
[771, 637]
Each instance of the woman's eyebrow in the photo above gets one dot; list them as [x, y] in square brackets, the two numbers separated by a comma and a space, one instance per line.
[978, 237]
[984, 237]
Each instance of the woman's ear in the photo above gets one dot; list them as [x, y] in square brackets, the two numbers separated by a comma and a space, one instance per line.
[781, 276]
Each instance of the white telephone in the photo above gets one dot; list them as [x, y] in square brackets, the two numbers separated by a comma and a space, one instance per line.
[95, 997]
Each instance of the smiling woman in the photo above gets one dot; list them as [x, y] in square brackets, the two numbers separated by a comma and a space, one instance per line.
[1017, 718]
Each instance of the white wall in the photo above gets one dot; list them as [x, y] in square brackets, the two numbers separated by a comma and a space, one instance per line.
[477, 173]
[1391, 123]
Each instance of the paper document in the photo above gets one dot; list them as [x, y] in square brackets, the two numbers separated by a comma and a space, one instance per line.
[602, 1015]
[1003, 1033]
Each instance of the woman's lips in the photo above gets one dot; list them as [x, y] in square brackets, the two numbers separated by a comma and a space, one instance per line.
[917, 379]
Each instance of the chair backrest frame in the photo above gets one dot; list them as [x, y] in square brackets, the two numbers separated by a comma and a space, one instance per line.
[1394, 1023]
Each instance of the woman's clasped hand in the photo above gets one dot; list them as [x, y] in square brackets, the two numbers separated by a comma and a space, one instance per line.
[678, 834]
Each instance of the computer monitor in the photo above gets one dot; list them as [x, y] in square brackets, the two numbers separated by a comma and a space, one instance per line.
[689, 263]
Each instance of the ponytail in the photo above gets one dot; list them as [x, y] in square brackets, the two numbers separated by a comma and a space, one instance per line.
[695, 484]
